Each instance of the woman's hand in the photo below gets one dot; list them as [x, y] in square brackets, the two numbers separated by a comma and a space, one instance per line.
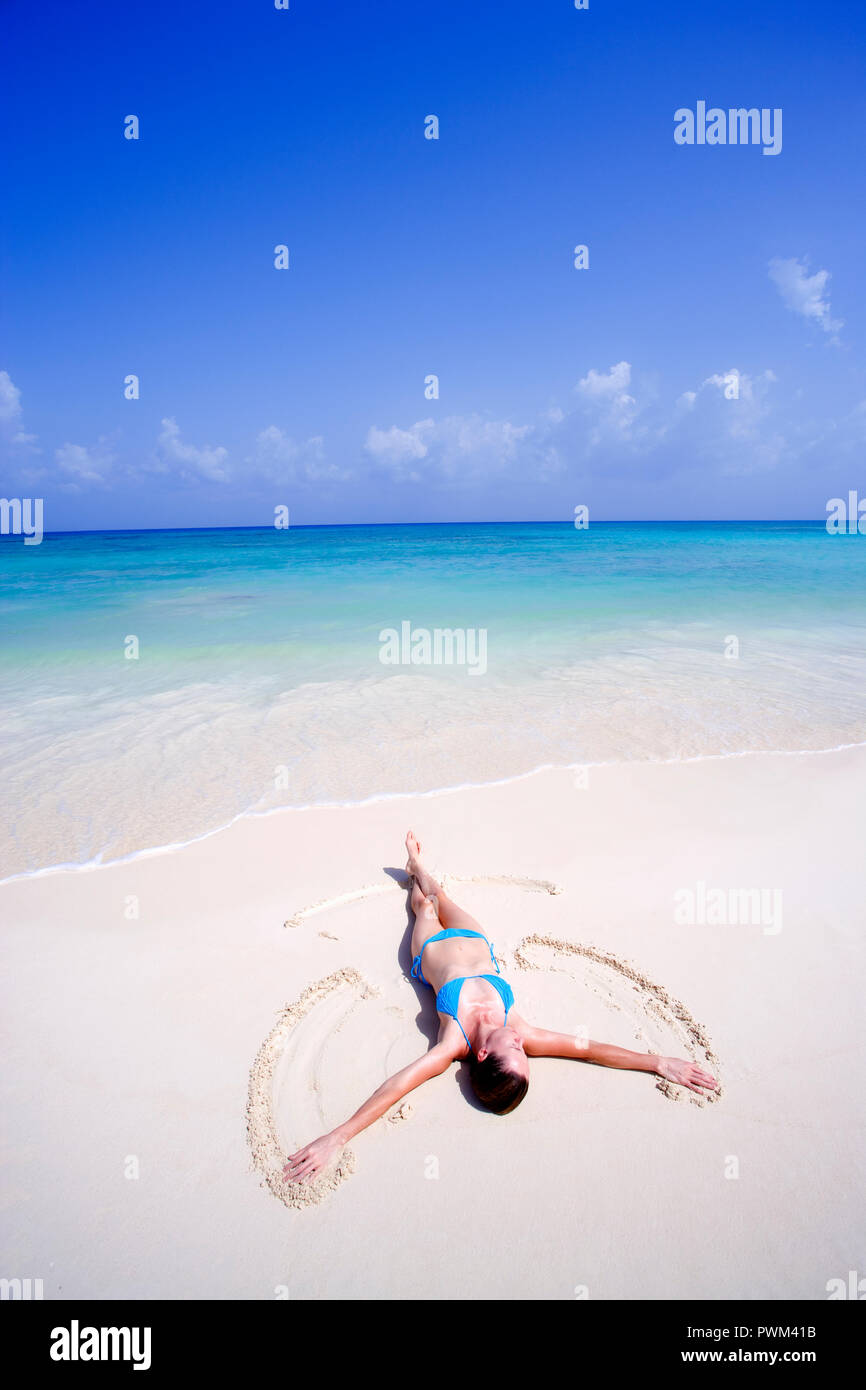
[309, 1161]
[686, 1074]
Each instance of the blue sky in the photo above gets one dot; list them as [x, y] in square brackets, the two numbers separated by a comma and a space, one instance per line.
[409, 257]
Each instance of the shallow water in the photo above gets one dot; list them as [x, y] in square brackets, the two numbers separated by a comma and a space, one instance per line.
[259, 683]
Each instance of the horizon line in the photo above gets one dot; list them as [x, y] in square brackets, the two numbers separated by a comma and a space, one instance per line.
[345, 525]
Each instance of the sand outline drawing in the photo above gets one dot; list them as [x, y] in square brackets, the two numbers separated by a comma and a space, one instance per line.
[370, 890]
[267, 1152]
[653, 1001]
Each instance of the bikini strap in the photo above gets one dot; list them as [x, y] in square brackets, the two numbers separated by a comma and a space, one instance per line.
[463, 1031]
[416, 964]
[498, 991]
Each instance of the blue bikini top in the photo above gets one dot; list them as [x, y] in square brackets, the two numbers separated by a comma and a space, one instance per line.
[448, 998]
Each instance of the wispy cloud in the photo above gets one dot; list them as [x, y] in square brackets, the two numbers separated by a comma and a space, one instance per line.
[726, 423]
[461, 450]
[11, 416]
[396, 450]
[10, 399]
[279, 458]
[803, 293]
[190, 460]
[605, 396]
[79, 463]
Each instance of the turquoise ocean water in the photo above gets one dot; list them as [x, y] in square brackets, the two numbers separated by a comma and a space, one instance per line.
[259, 683]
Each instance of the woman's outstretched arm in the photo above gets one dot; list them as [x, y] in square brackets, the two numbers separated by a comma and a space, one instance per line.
[539, 1042]
[315, 1156]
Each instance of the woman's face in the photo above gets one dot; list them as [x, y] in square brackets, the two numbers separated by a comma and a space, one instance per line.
[507, 1044]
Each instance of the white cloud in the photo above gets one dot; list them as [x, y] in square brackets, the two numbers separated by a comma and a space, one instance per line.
[81, 464]
[394, 448]
[612, 384]
[461, 450]
[614, 428]
[206, 463]
[10, 398]
[280, 458]
[470, 443]
[18, 440]
[605, 396]
[726, 381]
[724, 422]
[804, 293]
[737, 385]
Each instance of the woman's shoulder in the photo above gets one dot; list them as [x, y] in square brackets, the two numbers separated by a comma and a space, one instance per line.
[451, 1037]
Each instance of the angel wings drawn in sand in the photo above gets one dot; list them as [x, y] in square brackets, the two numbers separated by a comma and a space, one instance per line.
[477, 1022]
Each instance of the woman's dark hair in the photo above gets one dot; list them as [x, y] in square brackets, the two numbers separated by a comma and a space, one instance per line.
[499, 1089]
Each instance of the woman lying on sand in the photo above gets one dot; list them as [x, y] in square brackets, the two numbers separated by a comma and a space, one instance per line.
[474, 1010]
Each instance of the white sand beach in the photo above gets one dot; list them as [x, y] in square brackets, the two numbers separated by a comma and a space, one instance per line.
[140, 998]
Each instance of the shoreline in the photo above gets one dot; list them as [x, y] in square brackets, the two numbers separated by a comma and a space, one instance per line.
[255, 681]
[174, 847]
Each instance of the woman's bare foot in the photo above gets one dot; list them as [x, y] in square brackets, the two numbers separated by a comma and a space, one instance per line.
[425, 881]
[413, 847]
